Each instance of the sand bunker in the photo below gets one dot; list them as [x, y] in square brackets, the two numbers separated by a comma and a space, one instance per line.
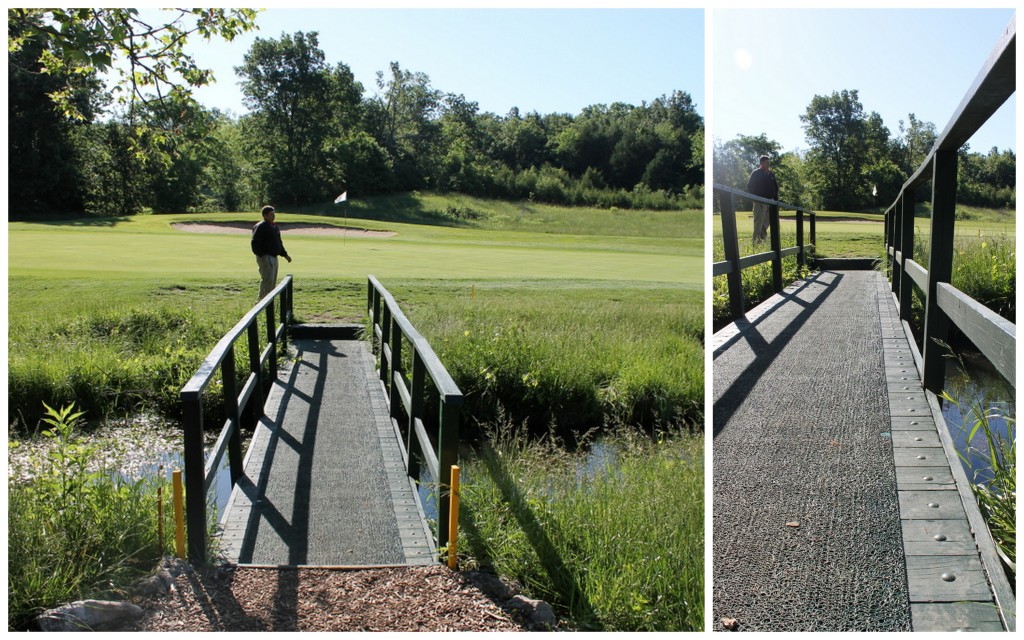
[287, 228]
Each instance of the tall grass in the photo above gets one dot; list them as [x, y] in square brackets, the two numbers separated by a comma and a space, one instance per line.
[994, 478]
[74, 531]
[576, 355]
[985, 268]
[612, 538]
[756, 281]
[118, 360]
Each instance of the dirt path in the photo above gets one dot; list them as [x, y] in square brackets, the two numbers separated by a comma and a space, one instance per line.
[227, 598]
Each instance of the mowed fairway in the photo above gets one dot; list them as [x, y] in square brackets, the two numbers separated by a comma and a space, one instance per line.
[148, 247]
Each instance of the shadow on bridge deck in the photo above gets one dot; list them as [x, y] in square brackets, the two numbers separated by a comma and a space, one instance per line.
[324, 483]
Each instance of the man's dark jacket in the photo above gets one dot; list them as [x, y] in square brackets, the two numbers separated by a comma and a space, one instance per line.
[266, 240]
[763, 184]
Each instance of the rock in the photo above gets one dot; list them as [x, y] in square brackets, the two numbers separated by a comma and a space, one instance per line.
[155, 585]
[163, 580]
[538, 612]
[731, 624]
[491, 585]
[89, 615]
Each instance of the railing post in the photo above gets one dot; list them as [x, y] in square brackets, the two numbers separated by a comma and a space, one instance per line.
[906, 218]
[417, 384]
[230, 391]
[395, 398]
[814, 238]
[895, 220]
[447, 455]
[253, 332]
[776, 240]
[195, 476]
[385, 346]
[940, 266]
[287, 309]
[730, 240]
[800, 238]
[272, 339]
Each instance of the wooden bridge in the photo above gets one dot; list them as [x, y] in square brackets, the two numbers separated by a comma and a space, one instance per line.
[839, 500]
[342, 440]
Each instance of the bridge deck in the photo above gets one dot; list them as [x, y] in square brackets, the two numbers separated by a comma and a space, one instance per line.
[830, 484]
[324, 483]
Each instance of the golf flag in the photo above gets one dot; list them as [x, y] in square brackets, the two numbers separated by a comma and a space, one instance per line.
[342, 198]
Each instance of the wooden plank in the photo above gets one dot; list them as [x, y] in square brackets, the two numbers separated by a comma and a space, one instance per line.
[955, 616]
[946, 579]
[917, 273]
[916, 439]
[721, 268]
[930, 505]
[938, 538]
[924, 479]
[913, 423]
[755, 258]
[919, 456]
[995, 336]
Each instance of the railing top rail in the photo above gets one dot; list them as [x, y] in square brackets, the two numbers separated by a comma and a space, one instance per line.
[442, 379]
[750, 196]
[995, 83]
[201, 378]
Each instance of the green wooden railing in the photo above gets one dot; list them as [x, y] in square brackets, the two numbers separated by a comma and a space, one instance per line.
[994, 336]
[414, 384]
[944, 305]
[734, 264]
[201, 470]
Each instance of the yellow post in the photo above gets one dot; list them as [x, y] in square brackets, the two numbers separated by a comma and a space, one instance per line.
[160, 516]
[179, 515]
[453, 520]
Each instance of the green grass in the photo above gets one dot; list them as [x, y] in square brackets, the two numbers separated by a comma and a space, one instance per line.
[613, 541]
[79, 290]
[994, 479]
[984, 262]
[571, 318]
[75, 531]
[565, 352]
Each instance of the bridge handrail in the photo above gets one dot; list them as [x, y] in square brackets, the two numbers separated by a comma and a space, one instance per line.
[734, 264]
[995, 83]
[994, 336]
[407, 392]
[200, 473]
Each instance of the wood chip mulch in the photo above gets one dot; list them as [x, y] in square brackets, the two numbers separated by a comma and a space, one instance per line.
[431, 598]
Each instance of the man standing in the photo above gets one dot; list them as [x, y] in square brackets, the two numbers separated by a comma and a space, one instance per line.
[267, 245]
[762, 183]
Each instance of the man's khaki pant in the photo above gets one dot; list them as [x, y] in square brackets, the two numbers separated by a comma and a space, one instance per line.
[760, 222]
[268, 274]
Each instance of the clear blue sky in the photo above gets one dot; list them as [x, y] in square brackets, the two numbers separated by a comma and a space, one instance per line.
[540, 60]
[768, 64]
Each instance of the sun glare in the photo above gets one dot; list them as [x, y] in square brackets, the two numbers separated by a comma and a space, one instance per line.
[743, 59]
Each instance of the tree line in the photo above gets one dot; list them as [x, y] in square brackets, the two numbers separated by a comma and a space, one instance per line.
[855, 163]
[313, 131]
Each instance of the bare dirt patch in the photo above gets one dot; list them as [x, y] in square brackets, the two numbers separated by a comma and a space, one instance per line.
[226, 598]
[288, 228]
